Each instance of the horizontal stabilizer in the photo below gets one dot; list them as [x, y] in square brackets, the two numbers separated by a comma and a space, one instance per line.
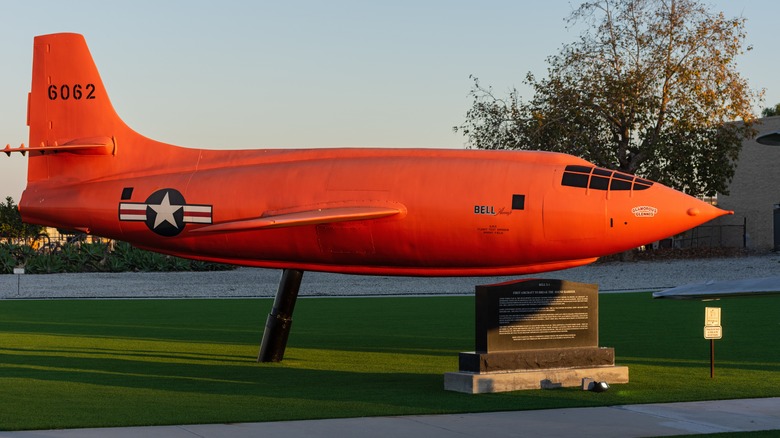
[309, 217]
[721, 289]
[84, 146]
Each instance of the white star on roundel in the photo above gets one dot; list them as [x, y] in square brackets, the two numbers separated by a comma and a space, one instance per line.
[165, 212]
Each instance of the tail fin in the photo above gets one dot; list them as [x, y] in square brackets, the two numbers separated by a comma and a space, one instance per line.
[68, 107]
[81, 153]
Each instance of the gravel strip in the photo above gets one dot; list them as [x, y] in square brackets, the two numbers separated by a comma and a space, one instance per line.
[251, 282]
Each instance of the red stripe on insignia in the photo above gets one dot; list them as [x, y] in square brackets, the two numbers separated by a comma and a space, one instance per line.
[200, 214]
[132, 212]
[197, 214]
[132, 207]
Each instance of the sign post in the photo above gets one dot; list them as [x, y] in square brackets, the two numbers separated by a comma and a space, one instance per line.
[18, 272]
[712, 330]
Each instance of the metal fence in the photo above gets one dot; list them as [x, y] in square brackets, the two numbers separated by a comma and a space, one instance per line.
[710, 236]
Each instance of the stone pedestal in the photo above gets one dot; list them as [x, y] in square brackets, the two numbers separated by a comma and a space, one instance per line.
[479, 383]
[533, 334]
[528, 360]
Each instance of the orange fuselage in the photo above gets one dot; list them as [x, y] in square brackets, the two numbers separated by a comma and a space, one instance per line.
[421, 212]
[459, 212]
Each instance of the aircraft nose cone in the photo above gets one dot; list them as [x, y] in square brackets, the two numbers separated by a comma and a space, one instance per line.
[694, 211]
[706, 211]
[655, 214]
[683, 211]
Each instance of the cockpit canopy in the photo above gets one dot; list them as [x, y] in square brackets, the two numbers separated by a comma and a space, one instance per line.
[602, 179]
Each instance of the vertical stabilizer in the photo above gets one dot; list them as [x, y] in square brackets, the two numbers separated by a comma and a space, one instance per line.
[79, 148]
[68, 112]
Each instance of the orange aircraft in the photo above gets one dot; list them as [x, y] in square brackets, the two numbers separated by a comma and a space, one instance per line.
[415, 212]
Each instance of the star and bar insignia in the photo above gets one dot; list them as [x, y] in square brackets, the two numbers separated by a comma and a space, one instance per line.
[165, 212]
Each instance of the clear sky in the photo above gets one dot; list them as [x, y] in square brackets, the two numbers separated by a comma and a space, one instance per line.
[306, 73]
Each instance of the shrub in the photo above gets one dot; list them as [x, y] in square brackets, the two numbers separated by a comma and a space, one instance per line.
[95, 257]
[7, 260]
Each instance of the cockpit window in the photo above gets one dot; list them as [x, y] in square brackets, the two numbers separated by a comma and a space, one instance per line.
[602, 179]
[579, 169]
[572, 179]
[598, 182]
[642, 184]
[619, 184]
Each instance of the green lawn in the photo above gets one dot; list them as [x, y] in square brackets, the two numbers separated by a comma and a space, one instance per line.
[87, 363]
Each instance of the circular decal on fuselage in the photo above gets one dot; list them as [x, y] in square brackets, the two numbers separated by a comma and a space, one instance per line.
[165, 212]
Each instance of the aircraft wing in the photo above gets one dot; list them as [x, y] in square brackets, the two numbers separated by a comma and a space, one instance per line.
[307, 217]
[719, 289]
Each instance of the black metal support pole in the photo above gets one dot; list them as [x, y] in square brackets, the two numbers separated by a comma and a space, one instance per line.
[277, 326]
[712, 358]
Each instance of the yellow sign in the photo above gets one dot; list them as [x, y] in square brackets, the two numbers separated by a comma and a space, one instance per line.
[711, 316]
[712, 327]
[713, 332]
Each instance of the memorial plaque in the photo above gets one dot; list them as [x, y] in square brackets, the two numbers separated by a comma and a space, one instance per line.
[536, 314]
[533, 334]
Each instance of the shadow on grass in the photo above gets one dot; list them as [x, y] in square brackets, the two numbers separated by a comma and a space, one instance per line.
[99, 363]
[147, 387]
[209, 376]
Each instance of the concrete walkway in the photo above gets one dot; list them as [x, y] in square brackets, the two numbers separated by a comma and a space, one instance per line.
[666, 419]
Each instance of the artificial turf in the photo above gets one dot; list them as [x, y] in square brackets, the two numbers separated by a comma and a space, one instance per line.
[89, 363]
